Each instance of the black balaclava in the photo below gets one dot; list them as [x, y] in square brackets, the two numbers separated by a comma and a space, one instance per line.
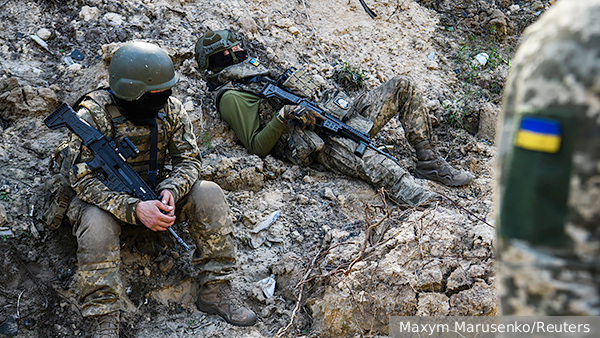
[220, 60]
[143, 110]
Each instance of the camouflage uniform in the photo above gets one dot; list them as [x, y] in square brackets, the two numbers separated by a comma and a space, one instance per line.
[549, 159]
[99, 213]
[368, 113]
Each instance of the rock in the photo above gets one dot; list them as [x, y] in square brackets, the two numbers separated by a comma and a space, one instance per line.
[3, 216]
[308, 179]
[458, 278]
[248, 24]
[284, 23]
[74, 67]
[319, 80]
[328, 194]
[293, 30]
[108, 50]
[114, 19]
[477, 301]
[433, 304]
[488, 116]
[302, 199]
[147, 272]
[166, 264]
[44, 34]
[499, 22]
[433, 65]
[189, 106]
[514, 8]
[258, 295]
[89, 13]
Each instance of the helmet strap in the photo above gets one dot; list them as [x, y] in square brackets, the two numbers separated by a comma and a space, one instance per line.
[235, 59]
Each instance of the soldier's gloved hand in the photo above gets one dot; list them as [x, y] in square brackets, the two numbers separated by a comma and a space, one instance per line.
[304, 117]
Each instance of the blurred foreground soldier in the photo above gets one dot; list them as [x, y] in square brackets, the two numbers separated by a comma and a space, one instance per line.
[260, 124]
[139, 105]
[549, 212]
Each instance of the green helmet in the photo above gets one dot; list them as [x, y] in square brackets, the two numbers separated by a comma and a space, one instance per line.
[214, 42]
[140, 67]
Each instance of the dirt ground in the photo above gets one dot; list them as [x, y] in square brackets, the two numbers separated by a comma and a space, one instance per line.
[334, 278]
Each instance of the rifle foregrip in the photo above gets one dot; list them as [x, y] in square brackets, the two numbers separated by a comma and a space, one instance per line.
[360, 150]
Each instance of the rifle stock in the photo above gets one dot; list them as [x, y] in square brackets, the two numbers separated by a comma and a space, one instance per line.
[110, 160]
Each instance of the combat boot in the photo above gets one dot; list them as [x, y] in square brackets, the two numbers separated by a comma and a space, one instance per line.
[106, 326]
[217, 298]
[432, 167]
[408, 191]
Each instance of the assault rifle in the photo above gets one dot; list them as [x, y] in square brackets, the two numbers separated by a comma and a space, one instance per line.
[110, 161]
[330, 125]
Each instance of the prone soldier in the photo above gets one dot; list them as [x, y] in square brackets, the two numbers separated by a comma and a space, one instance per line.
[260, 124]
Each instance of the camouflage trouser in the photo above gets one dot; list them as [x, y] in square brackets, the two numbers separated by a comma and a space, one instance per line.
[98, 253]
[533, 281]
[397, 96]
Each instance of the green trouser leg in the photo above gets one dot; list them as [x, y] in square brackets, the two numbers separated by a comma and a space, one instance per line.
[396, 96]
[98, 256]
[207, 213]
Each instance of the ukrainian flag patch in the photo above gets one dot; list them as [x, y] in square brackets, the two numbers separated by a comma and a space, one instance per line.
[539, 134]
[254, 62]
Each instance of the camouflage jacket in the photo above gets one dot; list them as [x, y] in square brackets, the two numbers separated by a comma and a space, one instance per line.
[176, 140]
[549, 148]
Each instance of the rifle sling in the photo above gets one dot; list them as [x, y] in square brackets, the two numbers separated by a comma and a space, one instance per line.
[118, 119]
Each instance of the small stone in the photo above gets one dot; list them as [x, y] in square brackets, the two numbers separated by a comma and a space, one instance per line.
[189, 106]
[328, 194]
[308, 179]
[44, 34]
[166, 265]
[175, 254]
[433, 65]
[147, 272]
[319, 80]
[114, 19]
[74, 67]
[514, 8]
[248, 24]
[302, 199]
[284, 23]
[88, 13]
[293, 30]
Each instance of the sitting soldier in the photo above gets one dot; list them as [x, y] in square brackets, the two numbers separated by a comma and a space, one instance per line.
[139, 106]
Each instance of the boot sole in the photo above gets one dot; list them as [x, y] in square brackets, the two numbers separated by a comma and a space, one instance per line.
[443, 180]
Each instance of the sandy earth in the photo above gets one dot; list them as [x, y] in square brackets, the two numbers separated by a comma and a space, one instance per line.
[415, 261]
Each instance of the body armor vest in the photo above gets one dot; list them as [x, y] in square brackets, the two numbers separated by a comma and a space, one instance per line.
[109, 121]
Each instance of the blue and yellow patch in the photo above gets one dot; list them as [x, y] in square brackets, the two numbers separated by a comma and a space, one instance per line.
[539, 134]
[254, 62]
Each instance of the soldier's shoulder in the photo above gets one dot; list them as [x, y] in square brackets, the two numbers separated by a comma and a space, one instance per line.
[94, 112]
[247, 68]
[174, 110]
